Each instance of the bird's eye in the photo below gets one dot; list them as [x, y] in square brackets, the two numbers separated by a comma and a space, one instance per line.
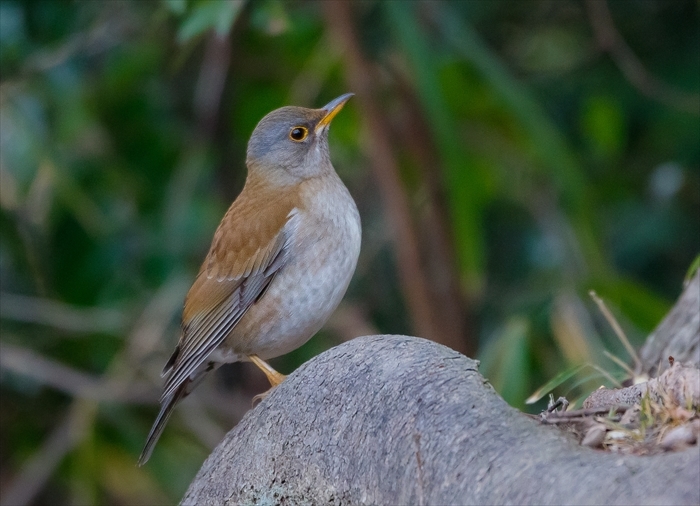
[298, 134]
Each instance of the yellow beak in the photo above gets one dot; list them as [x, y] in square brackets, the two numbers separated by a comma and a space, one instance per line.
[331, 109]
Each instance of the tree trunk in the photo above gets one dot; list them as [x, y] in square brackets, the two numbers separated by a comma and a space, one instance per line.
[402, 420]
[678, 334]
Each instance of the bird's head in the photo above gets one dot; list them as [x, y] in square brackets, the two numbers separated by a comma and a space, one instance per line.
[291, 143]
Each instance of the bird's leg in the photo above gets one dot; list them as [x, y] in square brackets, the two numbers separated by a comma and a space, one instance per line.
[273, 376]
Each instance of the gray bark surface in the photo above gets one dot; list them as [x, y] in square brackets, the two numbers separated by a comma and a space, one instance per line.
[402, 420]
[678, 334]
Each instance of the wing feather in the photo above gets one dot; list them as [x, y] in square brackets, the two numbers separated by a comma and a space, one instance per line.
[224, 291]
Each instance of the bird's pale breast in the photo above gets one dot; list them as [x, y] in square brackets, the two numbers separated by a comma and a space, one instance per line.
[324, 247]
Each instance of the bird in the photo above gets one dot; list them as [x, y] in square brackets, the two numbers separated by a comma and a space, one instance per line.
[279, 263]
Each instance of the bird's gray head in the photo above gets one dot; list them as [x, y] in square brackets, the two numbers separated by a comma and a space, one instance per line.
[291, 143]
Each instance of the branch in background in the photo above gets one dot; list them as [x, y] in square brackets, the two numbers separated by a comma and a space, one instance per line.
[116, 24]
[210, 83]
[360, 76]
[41, 465]
[60, 315]
[45, 371]
[610, 41]
[439, 246]
[121, 375]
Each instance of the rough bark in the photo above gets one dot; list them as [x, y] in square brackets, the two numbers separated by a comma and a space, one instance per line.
[679, 386]
[678, 334]
[402, 420]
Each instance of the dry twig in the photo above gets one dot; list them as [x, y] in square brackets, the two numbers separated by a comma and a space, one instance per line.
[610, 41]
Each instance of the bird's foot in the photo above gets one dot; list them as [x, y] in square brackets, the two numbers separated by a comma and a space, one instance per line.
[273, 376]
[261, 396]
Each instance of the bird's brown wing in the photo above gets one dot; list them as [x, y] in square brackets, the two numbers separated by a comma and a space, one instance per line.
[249, 248]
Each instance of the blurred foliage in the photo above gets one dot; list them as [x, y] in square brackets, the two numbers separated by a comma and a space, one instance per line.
[123, 128]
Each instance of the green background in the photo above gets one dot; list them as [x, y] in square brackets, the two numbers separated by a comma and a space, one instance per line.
[535, 164]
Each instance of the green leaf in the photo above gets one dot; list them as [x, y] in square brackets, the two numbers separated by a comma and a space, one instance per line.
[564, 376]
[217, 14]
[554, 383]
[505, 360]
[603, 125]
[465, 181]
[176, 6]
[550, 149]
[694, 266]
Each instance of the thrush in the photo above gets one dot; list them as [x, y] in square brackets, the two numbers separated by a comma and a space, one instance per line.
[280, 261]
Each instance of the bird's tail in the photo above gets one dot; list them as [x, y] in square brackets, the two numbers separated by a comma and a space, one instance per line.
[166, 409]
